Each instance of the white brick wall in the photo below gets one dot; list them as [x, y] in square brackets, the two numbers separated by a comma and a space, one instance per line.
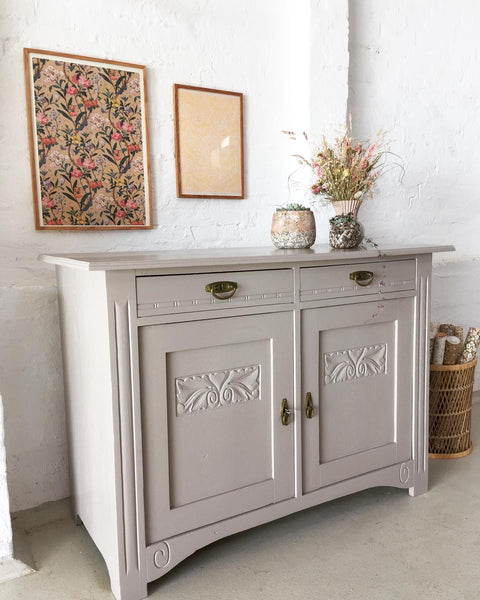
[413, 72]
[262, 49]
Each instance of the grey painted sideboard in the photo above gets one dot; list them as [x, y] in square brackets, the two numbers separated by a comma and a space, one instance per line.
[210, 391]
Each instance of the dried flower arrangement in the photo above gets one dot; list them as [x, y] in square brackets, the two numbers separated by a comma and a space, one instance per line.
[346, 170]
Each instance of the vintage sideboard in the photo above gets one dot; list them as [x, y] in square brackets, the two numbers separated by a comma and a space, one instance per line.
[210, 391]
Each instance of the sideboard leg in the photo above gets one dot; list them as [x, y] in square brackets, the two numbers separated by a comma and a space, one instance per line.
[420, 487]
[420, 429]
[128, 588]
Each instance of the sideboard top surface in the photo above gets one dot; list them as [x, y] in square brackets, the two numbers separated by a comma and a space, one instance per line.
[167, 259]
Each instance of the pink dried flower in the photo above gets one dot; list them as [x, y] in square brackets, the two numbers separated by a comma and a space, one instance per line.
[346, 169]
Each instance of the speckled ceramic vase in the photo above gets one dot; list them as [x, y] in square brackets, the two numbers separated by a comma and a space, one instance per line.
[293, 228]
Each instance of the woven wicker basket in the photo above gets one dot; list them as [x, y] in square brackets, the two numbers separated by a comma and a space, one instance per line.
[451, 410]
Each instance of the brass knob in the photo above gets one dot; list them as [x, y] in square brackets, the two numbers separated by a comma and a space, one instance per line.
[221, 290]
[308, 405]
[362, 278]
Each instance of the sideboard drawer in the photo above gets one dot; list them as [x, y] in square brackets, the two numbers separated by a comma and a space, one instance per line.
[318, 283]
[166, 294]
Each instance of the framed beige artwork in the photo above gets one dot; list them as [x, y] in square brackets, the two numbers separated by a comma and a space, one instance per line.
[208, 142]
[88, 135]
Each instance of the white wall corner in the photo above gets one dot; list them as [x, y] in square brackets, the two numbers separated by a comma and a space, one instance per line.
[318, 90]
[6, 544]
[328, 81]
[10, 568]
[329, 64]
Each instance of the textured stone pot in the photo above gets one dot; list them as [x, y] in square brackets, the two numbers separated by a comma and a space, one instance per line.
[293, 228]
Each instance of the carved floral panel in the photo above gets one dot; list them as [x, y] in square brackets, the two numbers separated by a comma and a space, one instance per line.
[347, 365]
[218, 388]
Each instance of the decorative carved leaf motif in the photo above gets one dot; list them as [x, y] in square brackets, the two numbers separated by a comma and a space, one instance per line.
[347, 365]
[219, 388]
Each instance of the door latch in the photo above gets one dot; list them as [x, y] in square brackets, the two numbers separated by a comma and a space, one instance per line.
[285, 412]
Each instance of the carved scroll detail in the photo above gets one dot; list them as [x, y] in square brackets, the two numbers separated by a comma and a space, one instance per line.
[161, 558]
[219, 388]
[355, 363]
[404, 473]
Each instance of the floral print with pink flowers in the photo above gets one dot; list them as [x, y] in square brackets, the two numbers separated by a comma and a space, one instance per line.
[90, 145]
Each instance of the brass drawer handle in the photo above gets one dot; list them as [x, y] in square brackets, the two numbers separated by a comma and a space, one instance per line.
[285, 412]
[362, 278]
[226, 288]
[308, 406]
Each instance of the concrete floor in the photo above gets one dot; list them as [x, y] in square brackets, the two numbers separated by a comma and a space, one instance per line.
[375, 545]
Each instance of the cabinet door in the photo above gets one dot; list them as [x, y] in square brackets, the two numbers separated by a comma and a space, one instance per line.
[358, 365]
[213, 439]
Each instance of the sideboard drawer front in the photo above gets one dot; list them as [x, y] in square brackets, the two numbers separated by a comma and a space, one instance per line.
[166, 294]
[318, 283]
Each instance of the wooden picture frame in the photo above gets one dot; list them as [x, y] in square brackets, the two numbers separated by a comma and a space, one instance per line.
[208, 142]
[88, 133]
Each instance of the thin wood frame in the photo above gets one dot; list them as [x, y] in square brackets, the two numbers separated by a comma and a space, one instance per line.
[209, 154]
[89, 146]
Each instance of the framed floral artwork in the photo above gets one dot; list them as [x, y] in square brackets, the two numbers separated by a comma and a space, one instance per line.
[208, 142]
[88, 142]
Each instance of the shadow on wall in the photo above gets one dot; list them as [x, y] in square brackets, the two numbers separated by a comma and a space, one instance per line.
[31, 383]
[454, 286]
[358, 64]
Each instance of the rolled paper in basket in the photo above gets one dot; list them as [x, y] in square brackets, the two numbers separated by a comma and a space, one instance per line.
[434, 325]
[471, 344]
[447, 328]
[432, 344]
[453, 349]
[459, 333]
[439, 349]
